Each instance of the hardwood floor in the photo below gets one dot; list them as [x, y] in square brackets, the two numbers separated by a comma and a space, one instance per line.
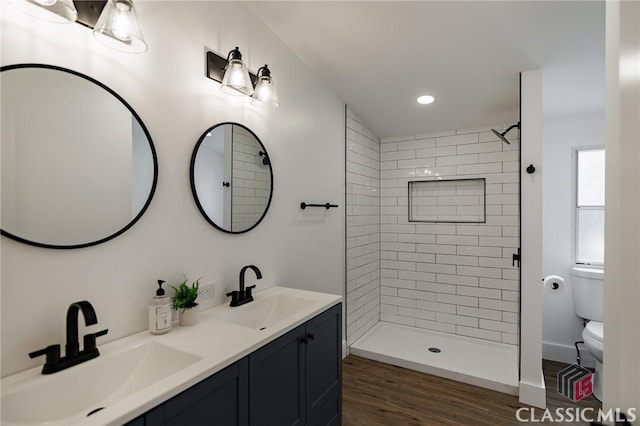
[377, 394]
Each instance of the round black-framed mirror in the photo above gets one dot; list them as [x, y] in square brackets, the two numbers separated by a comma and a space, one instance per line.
[79, 167]
[231, 177]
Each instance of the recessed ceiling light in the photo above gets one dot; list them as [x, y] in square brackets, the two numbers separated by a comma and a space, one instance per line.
[426, 99]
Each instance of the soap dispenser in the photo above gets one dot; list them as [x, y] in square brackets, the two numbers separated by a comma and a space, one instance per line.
[160, 312]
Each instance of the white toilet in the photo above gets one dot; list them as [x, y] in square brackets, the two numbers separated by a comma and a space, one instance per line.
[588, 302]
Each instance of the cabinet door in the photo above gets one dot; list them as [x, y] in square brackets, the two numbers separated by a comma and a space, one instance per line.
[276, 382]
[219, 400]
[324, 361]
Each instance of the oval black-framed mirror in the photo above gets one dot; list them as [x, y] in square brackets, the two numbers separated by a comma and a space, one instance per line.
[79, 166]
[231, 177]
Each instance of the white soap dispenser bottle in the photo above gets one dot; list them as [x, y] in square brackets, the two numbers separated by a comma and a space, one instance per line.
[160, 312]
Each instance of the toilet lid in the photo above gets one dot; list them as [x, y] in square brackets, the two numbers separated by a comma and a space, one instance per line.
[595, 329]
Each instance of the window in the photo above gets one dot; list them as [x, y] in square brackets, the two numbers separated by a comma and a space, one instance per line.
[589, 214]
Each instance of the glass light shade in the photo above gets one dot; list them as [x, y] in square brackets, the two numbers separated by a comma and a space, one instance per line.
[236, 80]
[265, 93]
[118, 27]
[56, 11]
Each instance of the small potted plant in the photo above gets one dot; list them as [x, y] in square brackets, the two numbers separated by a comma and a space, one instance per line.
[184, 300]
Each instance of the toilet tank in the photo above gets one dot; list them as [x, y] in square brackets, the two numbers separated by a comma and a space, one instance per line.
[588, 293]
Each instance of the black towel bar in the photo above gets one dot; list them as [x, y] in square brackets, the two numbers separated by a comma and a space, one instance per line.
[327, 206]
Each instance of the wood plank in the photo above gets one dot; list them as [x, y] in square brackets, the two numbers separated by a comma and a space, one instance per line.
[378, 394]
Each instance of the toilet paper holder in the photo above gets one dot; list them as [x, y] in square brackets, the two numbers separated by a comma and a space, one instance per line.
[553, 282]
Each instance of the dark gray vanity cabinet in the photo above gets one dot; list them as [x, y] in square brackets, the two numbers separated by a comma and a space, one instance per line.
[218, 400]
[323, 372]
[294, 380]
[276, 381]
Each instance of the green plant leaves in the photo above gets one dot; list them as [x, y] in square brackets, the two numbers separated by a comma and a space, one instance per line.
[184, 296]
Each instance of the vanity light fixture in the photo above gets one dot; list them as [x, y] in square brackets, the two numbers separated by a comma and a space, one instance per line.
[115, 22]
[236, 80]
[56, 11]
[118, 27]
[265, 93]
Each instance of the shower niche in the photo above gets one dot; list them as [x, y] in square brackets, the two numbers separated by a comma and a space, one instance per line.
[450, 201]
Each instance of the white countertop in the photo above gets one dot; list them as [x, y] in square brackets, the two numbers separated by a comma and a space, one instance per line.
[218, 343]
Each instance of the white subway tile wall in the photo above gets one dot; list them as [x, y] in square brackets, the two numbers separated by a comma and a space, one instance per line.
[437, 200]
[454, 278]
[251, 181]
[362, 228]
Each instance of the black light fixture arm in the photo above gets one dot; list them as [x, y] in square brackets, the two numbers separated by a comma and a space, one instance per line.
[264, 71]
[234, 54]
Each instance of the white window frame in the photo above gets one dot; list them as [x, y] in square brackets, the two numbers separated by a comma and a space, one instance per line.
[576, 208]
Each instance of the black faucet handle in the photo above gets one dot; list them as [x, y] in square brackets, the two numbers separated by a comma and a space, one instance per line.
[101, 332]
[234, 297]
[52, 353]
[248, 290]
[90, 339]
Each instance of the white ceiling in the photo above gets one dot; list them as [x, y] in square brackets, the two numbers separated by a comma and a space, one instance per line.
[378, 57]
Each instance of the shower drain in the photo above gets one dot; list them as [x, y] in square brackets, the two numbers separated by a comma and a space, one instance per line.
[435, 350]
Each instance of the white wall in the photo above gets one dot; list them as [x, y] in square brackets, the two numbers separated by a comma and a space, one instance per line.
[532, 388]
[455, 278]
[97, 204]
[622, 227]
[362, 227]
[561, 135]
[167, 87]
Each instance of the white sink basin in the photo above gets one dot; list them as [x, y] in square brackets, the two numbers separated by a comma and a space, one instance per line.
[93, 385]
[263, 312]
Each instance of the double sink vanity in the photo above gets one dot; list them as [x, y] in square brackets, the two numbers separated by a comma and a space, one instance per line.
[271, 358]
[274, 361]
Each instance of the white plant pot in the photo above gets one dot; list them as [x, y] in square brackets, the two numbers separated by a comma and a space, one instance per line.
[190, 316]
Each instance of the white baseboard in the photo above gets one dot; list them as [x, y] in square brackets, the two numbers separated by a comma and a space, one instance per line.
[345, 349]
[567, 354]
[533, 394]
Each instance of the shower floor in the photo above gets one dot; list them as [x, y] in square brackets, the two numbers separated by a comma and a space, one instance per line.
[477, 362]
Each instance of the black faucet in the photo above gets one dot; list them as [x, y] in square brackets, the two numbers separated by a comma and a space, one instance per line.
[73, 355]
[243, 295]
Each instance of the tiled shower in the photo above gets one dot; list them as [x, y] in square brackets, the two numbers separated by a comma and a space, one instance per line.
[453, 278]
[251, 180]
[362, 228]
